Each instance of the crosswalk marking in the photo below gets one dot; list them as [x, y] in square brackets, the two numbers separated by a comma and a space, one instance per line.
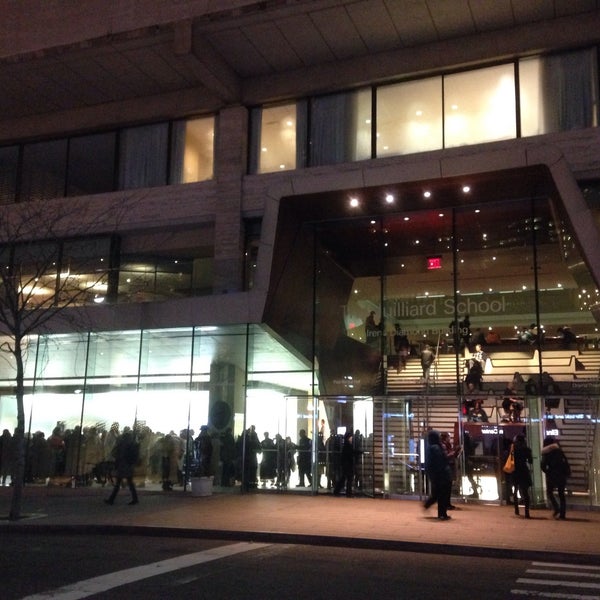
[103, 583]
[554, 595]
[555, 572]
[557, 582]
[565, 576]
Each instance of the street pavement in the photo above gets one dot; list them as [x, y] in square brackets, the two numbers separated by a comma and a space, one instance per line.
[476, 529]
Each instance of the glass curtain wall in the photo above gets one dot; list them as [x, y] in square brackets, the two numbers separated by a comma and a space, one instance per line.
[83, 390]
[505, 311]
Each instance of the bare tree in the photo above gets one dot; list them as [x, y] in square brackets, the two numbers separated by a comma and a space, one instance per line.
[53, 257]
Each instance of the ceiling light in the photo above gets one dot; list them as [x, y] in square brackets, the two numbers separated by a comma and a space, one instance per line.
[353, 202]
[389, 198]
[427, 194]
[466, 189]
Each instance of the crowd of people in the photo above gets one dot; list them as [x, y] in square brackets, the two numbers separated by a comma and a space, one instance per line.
[96, 455]
[441, 472]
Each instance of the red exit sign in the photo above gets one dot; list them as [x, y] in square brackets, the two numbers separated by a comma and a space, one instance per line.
[434, 262]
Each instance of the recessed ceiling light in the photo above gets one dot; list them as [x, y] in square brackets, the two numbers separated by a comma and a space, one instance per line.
[354, 202]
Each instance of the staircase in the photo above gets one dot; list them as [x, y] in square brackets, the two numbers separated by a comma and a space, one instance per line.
[577, 437]
[410, 380]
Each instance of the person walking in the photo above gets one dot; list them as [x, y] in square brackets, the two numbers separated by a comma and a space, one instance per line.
[347, 472]
[522, 476]
[427, 359]
[126, 454]
[556, 467]
[439, 474]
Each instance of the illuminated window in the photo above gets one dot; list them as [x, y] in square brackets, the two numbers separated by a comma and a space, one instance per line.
[192, 150]
[275, 138]
[409, 117]
[479, 106]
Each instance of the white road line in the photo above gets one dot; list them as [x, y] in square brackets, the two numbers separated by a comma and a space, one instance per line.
[103, 583]
[556, 582]
[562, 573]
[566, 566]
[554, 595]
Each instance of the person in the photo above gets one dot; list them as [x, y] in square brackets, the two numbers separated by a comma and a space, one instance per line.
[268, 463]
[372, 330]
[556, 467]
[477, 413]
[346, 478]
[6, 458]
[437, 469]
[568, 340]
[451, 453]
[521, 476]
[401, 347]
[126, 455]
[476, 368]
[204, 449]
[529, 335]
[427, 359]
[304, 462]
[470, 445]
[512, 405]
[479, 338]
[227, 456]
[492, 338]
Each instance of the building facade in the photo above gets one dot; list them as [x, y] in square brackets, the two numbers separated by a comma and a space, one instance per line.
[268, 213]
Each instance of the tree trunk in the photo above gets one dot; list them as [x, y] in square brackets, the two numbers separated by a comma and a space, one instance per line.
[18, 476]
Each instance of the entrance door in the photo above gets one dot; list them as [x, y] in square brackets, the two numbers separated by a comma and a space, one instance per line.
[338, 416]
[401, 471]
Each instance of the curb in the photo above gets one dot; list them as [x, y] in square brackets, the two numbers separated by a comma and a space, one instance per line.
[303, 539]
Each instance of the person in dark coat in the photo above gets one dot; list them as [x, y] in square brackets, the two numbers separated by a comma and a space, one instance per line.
[304, 460]
[439, 474]
[204, 450]
[522, 475]
[126, 455]
[555, 465]
[347, 467]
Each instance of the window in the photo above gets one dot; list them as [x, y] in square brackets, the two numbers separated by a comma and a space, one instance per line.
[409, 117]
[558, 93]
[166, 264]
[479, 106]
[276, 129]
[340, 128]
[44, 169]
[91, 165]
[192, 150]
[143, 156]
[9, 159]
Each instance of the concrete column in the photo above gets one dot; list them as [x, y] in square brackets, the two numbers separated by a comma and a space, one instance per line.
[230, 167]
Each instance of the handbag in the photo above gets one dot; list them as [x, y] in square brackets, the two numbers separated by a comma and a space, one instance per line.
[509, 465]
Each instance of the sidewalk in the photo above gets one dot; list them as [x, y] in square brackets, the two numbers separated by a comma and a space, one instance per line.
[475, 529]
